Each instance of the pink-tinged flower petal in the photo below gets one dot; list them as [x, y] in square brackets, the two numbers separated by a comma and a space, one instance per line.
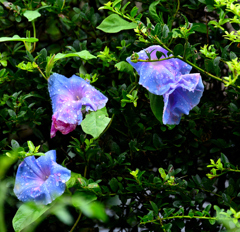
[40, 180]
[68, 96]
[170, 78]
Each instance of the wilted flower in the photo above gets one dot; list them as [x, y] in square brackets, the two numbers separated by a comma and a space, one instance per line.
[181, 91]
[40, 180]
[68, 96]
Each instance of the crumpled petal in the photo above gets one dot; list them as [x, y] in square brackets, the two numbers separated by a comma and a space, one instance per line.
[158, 77]
[170, 78]
[68, 96]
[181, 100]
[40, 180]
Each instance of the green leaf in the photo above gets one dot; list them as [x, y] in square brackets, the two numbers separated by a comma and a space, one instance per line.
[160, 54]
[224, 159]
[212, 221]
[167, 227]
[95, 187]
[155, 208]
[157, 141]
[86, 55]
[14, 144]
[95, 122]
[12, 113]
[232, 55]
[134, 11]
[84, 201]
[153, 12]
[197, 179]
[178, 50]
[95, 210]
[17, 38]
[26, 214]
[31, 14]
[202, 28]
[82, 198]
[114, 23]
[227, 199]
[156, 104]
[73, 180]
[31, 146]
[123, 66]
[165, 31]
[114, 184]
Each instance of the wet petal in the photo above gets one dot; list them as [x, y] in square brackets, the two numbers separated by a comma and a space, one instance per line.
[42, 187]
[180, 101]
[68, 96]
[158, 77]
[170, 78]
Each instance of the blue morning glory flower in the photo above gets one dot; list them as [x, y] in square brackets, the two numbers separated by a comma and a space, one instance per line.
[68, 96]
[171, 79]
[40, 180]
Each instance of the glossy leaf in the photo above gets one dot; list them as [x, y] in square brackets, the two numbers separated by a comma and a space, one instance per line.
[114, 23]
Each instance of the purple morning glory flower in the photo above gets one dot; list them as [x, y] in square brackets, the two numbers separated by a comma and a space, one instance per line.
[68, 96]
[40, 180]
[181, 91]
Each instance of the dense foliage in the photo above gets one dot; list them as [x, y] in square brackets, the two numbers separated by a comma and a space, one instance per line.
[129, 171]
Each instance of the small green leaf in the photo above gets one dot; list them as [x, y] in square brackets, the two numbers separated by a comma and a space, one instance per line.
[134, 11]
[26, 214]
[153, 12]
[155, 208]
[31, 146]
[12, 113]
[95, 187]
[31, 14]
[156, 104]
[82, 198]
[14, 144]
[114, 23]
[160, 54]
[113, 184]
[212, 221]
[202, 28]
[17, 38]
[86, 55]
[95, 122]
[123, 66]
[178, 50]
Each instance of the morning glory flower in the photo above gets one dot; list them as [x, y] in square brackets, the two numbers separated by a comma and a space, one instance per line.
[69, 95]
[171, 79]
[40, 180]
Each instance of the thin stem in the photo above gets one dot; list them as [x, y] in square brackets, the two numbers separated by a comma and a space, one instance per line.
[25, 43]
[183, 216]
[34, 35]
[120, 131]
[174, 16]
[185, 49]
[132, 89]
[41, 72]
[64, 1]
[179, 57]
[85, 171]
[80, 214]
[161, 223]
[75, 224]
